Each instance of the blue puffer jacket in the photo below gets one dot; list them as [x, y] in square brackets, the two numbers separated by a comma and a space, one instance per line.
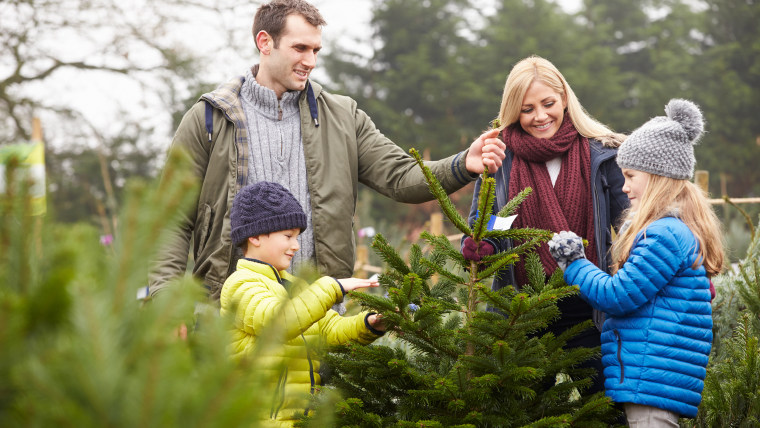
[657, 337]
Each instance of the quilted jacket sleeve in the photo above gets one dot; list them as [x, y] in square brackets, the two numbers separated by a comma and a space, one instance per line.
[337, 330]
[654, 261]
[260, 307]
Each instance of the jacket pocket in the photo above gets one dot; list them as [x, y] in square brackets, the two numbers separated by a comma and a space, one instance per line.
[619, 355]
[204, 226]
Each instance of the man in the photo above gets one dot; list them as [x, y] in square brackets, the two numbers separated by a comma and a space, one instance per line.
[274, 124]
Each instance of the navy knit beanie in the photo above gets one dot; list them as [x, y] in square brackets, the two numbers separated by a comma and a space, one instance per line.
[262, 208]
[665, 144]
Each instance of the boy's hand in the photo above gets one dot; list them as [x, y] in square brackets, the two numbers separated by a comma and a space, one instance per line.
[354, 283]
[377, 322]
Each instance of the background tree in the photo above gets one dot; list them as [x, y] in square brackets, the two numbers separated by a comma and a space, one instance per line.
[414, 82]
[106, 78]
[728, 82]
[624, 59]
[732, 388]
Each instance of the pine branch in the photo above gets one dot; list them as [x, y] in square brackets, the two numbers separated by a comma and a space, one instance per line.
[389, 254]
[444, 289]
[496, 263]
[486, 199]
[441, 270]
[524, 234]
[443, 249]
[511, 207]
[437, 190]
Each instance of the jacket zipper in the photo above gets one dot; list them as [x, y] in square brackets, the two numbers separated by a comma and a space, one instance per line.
[619, 355]
[311, 371]
[279, 394]
[279, 118]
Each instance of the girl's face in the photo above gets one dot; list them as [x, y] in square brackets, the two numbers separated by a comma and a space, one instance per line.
[634, 186]
[542, 111]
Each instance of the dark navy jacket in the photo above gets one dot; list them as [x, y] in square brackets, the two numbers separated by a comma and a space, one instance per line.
[609, 203]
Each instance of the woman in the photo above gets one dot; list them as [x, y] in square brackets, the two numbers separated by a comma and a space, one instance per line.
[568, 159]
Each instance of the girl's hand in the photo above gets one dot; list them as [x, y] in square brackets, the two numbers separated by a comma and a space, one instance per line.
[354, 283]
[566, 247]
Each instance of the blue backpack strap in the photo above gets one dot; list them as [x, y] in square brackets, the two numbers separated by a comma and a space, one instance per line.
[209, 119]
[312, 104]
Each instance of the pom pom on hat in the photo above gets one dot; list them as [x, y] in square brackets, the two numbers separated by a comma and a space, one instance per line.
[665, 144]
[688, 115]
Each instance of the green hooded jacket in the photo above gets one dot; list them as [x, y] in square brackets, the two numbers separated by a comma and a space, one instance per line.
[342, 148]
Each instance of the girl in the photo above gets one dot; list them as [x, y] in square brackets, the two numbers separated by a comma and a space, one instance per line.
[657, 337]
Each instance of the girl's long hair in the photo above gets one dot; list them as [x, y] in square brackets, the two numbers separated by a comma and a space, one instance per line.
[535, 68]
[663, 197]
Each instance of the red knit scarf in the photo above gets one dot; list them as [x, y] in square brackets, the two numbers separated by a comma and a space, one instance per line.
[565, 206]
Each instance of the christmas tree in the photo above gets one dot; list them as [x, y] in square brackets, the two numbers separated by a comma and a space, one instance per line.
[461, 354]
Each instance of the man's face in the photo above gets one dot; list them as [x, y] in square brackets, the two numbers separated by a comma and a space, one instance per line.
[287, 67]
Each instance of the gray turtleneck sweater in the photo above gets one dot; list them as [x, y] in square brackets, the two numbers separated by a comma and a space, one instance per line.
[274, 140]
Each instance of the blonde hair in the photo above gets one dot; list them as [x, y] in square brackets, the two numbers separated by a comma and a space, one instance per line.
[664, 196]
[535, 68]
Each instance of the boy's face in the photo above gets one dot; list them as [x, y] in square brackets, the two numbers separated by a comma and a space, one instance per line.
[276, 248]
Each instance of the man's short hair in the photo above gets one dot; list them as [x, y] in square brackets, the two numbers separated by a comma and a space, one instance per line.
[271, 17]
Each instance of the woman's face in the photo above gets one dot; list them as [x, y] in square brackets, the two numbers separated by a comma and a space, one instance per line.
[542, 111]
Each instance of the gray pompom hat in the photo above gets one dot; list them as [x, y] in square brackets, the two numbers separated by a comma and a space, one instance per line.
[665, 144]
[262, 208]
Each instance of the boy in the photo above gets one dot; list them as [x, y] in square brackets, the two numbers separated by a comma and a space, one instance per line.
[260, 295]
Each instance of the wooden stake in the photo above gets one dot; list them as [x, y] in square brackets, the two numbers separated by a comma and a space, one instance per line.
[702, 179]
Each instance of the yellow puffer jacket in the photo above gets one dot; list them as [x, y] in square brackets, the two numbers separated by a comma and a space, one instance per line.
[262, 301]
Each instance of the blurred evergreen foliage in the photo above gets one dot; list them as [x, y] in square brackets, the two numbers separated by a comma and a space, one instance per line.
[78, 348]
[732, 388]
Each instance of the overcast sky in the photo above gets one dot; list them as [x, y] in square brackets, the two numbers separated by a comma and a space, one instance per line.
[102, 100]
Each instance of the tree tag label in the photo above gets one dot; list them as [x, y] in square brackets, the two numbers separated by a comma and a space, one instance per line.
[501, 223]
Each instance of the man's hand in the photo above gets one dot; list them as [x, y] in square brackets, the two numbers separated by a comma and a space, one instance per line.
[354, 283]
[486, 151]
